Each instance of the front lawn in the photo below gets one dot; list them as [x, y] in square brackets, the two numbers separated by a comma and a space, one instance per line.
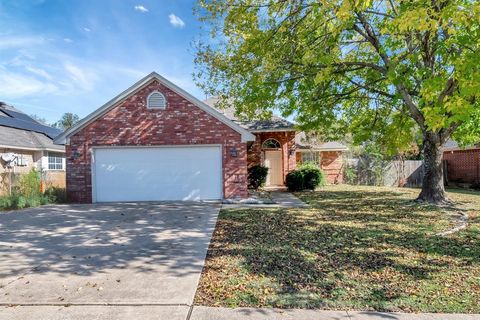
[363, 248]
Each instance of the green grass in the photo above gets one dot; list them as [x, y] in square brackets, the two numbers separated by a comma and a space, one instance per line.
[362, 248]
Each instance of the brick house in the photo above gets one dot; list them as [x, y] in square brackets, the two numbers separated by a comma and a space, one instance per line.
[155, 141]
[329, 156]
[462, 164]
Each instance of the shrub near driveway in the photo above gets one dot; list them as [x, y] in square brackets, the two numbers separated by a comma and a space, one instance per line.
[27, 193]
[364, 248]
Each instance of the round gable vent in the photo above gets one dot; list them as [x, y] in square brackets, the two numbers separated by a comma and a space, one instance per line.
[156, 100]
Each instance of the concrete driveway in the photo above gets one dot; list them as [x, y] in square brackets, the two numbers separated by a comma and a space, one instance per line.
[101, 256]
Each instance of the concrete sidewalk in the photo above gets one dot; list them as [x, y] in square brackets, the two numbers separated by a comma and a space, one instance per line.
[280, 199]
[183, 312]
[287, 200]
[208, 313]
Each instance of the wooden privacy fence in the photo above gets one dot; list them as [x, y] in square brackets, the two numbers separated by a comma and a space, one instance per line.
[408, 173]
[367, 171]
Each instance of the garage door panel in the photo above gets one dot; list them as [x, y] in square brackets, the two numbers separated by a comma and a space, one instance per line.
[150, 174]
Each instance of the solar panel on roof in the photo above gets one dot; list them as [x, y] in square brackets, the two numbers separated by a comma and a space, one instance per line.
[18, 115]
[29, 125]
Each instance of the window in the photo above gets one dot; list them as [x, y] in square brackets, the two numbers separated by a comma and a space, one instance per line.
[271, 144]
[311, 156]
[156, 100]
[55, 161]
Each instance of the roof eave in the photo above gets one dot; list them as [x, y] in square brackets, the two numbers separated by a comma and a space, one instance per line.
[31, 148]
[272, 130]
[307, 149]
[460, 149]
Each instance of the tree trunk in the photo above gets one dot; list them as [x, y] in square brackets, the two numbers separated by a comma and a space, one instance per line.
[433, 190]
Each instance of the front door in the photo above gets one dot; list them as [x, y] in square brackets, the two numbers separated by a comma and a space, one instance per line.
[273, 161]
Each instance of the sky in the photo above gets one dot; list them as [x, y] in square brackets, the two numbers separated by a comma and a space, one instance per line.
[60, 56]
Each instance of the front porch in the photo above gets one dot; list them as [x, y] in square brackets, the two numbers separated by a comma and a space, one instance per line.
[275, 150]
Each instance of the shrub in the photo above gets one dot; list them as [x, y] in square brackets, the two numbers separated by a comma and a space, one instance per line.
[313, 176]
[7, 202]
[27, 193]
[307, 176]
[29, 184]
[294, 180]
[257, 176]
[56, 195]
[350, 175]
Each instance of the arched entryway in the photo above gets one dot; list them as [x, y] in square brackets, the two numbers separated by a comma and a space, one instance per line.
[273, 160]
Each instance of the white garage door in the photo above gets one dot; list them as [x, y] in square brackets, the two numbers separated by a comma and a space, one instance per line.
[157, 173]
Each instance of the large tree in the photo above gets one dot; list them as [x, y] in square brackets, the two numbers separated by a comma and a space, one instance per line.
[378, 70]
[67, 121]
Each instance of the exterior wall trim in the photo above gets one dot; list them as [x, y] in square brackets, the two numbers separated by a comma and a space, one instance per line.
[31, 149]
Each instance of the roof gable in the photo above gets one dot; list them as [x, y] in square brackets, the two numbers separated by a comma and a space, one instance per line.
[63, 138]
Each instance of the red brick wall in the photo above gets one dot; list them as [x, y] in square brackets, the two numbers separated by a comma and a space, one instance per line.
[463, 165]
[131, 123]
[255, 154]
[332, 165]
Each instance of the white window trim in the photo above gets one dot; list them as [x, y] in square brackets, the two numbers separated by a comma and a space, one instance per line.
[47, 161]
[271, 139]
[164, 99]
[315, 154]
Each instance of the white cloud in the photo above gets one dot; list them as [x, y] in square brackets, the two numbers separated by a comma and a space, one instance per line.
[86, 29]
[141, 8]
[176, 21]
[67, 40]
[83, 79]
[39, 72]
[15, 85]
[22, 42]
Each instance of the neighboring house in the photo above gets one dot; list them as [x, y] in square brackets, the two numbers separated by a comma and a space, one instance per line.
[28, 144]
[328, 155]
[155, 141]
[463, 164]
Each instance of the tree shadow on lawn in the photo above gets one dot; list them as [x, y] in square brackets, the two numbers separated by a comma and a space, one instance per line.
[350, 248]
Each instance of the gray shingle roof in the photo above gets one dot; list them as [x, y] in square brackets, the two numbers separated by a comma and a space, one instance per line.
[18, 138]
[275, 123]
[302, 142]
[18, 130]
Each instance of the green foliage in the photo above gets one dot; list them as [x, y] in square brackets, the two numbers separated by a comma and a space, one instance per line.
[29, 184]
[27, 193]
[313, 176]
[18, 201]
[257, 176]
[294, 180]
[56, 195]
[350, 174]
[307, 176]
[67, 121]
[379, 70]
